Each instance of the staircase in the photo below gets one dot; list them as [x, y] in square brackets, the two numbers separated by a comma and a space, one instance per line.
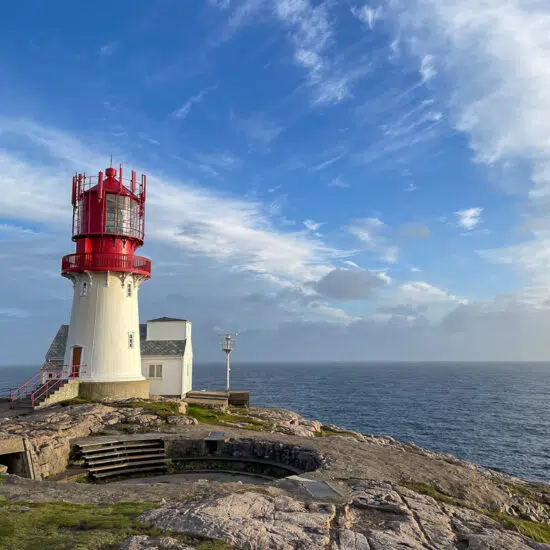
[45, 388]
[115, 458]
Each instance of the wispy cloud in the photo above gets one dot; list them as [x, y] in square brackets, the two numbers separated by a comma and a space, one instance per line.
[339, 183]
[108, 49]
[372, 233]
[496, 57]
[311, 225]
[259, 129]
[182, 215]
[427, 68]
[311, 34]
[469, 218]
[185, 109]
[224, 160]
[367, 14]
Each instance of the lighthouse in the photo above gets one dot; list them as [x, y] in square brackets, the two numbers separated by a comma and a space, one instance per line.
[103, 340]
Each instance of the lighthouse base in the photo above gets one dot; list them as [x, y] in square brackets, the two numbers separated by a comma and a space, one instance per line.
[114, 390]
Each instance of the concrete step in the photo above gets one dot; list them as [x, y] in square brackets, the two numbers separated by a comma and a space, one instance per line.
[115, 460]
[122, 452]
[130, 464]
[121, 446]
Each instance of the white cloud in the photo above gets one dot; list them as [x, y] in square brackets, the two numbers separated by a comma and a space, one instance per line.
[259, 129]
[371, 232]
[494, 57]
[427, 68]
[311, 225]
[469, 218]
[185, 109]
[224, 160]
[108, 49]
[311, 34]
[367, 14]
[339, 183]
[410, 188]
[219, 226]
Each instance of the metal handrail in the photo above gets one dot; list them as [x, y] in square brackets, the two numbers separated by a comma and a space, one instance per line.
[24, 389]
[44, 389]
[100, 261]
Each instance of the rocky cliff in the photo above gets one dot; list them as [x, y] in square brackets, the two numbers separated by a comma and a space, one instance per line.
[371, 492]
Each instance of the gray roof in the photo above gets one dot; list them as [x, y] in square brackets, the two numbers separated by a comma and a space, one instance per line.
[165, 319]
[176, 348]
[58, 345]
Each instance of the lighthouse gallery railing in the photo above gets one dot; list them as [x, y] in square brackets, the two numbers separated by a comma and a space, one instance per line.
[98, 261]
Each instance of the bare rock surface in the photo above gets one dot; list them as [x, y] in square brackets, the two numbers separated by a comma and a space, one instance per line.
[144, 542]
[287, 422]
[379, 517]
[250, 520]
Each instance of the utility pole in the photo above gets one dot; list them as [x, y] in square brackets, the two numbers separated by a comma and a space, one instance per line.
[227, 348]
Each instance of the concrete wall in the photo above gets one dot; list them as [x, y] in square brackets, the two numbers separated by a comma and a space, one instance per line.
[168, 330]
[172, 371]
[116, 390]
[101, 322]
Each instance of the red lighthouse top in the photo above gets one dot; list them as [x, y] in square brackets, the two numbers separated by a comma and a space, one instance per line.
[108, 223]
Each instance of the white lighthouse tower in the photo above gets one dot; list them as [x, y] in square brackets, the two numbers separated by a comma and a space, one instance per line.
[103, 343]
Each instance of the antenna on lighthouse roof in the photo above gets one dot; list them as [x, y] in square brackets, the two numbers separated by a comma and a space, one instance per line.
[111, 160]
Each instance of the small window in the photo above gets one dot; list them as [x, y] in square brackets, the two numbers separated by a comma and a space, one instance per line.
[130, 339]
[155, 371]
[129, 290]
[84, 289]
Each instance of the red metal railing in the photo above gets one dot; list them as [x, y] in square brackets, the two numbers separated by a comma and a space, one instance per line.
[26, 389]
[98, 261]
[36, 388]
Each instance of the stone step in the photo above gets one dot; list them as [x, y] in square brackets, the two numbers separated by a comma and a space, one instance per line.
[122, 452]
[105, 447]
[115, 467]
[114, 460]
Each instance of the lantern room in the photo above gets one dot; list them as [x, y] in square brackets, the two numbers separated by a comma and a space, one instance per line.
[108, 222]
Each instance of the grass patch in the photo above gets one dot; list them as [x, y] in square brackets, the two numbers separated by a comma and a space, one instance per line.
[327, 432]
[79, 526]
[424, 489]
[160, 408]
[220, 418]
[539, 532]
[3, 478]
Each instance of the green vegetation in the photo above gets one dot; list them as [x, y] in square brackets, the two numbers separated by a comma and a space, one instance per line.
[539, 532]
[64, 526]
[220, 418]
[424, 489]
[2, 478]
[160, 408]
[327, 432]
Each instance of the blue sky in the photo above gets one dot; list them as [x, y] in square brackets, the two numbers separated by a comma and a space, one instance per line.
[334, 180]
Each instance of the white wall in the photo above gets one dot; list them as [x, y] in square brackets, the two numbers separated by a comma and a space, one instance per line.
[168, 330]
[100, 323]
[188, 362]
[172, 367]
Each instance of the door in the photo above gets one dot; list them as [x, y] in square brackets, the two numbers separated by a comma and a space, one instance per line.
[77, 354]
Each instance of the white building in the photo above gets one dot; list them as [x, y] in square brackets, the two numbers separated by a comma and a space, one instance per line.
[166, 354]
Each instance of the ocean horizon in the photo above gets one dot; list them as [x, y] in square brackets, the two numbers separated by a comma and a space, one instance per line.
[495, 414]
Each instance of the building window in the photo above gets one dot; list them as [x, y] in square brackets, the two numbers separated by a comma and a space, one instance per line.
[84, 288]
[130, 339]
[129, 290]
[155, 371]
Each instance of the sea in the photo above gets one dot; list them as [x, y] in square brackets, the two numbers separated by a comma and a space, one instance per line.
[496, 415]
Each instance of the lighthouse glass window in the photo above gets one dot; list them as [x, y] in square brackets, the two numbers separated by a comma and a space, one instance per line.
[122, 216]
